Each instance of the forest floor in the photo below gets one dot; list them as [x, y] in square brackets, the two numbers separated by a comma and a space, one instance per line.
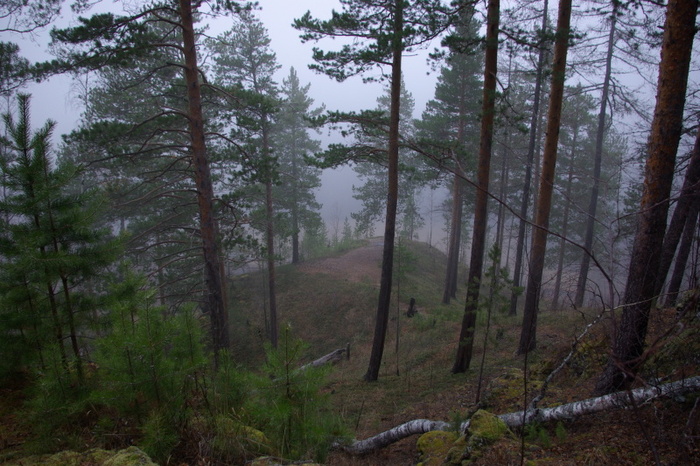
[416, 382]
[330, 303]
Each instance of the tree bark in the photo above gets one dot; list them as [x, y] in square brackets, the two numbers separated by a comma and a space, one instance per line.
[687, 199]
[384, 301]
[628, 342]
[544, 201]
[527, 182]
[684, 250]
[214, 303]
[466, 336]
[455, 240]
[598, 159]
[565, 227]
[517, 419]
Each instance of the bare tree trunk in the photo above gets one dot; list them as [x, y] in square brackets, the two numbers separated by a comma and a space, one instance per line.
[688, 197]
[214, 304]
[565, 227]
[544, 201]
[455, 239]
[679, 31]
[527, 183]
[271, 275]
[466, 336]
[382, 318]
[598, 158]
[684, 250]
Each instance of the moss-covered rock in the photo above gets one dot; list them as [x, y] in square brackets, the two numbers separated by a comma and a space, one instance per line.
[486, 428]
[131, 456]
[435, 446]
[272, 461]
[235, 440]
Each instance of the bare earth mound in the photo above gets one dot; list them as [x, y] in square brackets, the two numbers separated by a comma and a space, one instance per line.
[357, 265]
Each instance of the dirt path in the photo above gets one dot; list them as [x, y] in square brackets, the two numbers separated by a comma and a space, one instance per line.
[358, 265]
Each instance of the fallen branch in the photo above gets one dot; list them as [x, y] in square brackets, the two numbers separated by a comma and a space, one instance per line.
[330, 358]
[514, 420]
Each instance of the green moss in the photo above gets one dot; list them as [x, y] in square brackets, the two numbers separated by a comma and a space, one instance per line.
[235, 440]
[131, 456]
[486, 428]
[434, 446]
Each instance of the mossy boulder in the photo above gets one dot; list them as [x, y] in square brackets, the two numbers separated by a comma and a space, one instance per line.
[233, 439]
[272, 461]
[486, 428]
[435, 446]
[131, 456]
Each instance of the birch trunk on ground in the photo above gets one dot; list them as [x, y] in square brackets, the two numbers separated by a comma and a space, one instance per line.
[515, 420]
[630, 333]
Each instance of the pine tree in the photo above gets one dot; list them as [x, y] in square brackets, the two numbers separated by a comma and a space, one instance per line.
[449, 118]
[107, 40]
[49, 246]
[383, 32]
[295, 196]
[243, 59]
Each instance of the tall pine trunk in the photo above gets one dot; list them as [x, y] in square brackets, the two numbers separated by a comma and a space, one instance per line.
[565, 227]
[598, 158]
[631, 329]
[544, 201]
[384, 301]
[684, 250]
[527, 182]
[214, 302]
[688, 197]
[465, 343]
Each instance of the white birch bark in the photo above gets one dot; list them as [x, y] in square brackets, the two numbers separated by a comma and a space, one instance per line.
[624, 399]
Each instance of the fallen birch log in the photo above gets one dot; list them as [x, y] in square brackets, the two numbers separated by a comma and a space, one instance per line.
[517, 419]
[330, 358]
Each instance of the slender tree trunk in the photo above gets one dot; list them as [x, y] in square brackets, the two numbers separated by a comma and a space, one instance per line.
[684, 250]
[688, 197]
[527, 183]
[452, 273]
[384, 301]
[628, 342]
[455, 240]
[544, 201]
[214, 303]
[598, 158]
[271, 273]
[295, 213]
[465, 343]
[565, 228]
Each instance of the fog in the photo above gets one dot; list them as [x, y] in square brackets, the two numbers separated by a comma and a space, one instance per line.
[58, 98]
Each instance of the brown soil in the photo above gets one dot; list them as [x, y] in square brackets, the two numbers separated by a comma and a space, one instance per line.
[357, 265]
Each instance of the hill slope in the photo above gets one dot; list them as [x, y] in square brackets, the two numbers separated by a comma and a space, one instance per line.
[331, 302]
